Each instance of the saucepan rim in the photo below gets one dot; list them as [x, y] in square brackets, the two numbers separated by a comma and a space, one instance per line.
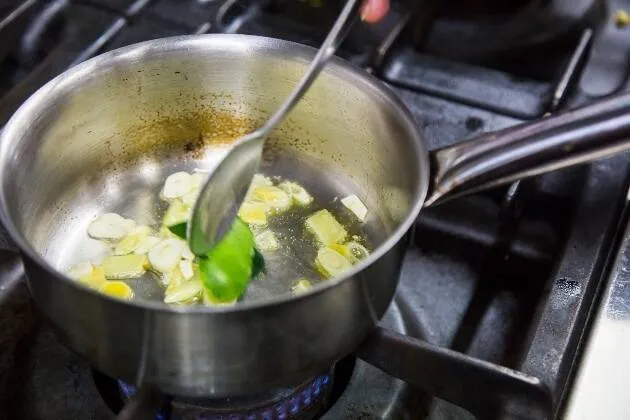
[11, 135]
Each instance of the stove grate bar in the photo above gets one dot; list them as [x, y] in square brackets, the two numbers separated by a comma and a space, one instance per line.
[485, 389]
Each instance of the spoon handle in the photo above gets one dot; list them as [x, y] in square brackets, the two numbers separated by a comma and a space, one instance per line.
[225, 189]
[340, 29]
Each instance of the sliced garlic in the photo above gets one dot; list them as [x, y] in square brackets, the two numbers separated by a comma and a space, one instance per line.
[173, 279]
[196, 180]
[331, 263]
[299, 195]
[130, 225]
[190, 198]
[176, 185]
[165, 233]
[186, 267]
[165, 256]
[176, 213]
[128, 244]
[186, 252]
[353, 251]
[110, 226]
[142, 230]
[119, 267]
[183, 293]
[275, 199]
[260, 180]
[145, 245]
[356, 206]
[253, 213]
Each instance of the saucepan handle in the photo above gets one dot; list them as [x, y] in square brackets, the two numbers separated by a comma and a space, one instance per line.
[575, 136]
[485, 389]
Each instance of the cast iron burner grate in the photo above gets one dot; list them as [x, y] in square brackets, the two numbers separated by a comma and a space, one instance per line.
[308, 401]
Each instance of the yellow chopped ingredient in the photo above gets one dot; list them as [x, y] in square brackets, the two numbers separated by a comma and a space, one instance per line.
[146, 243]
[301, 286]
[176, 213]
[359, 252]
[260, 180]
[275, 199]
[356, 206]
[173, 279]
[110, 227]
[128, 244]
[353, 251]
[187, 269]
[326, 228]
[95, 279]
[165, 233]
[165, 256]
[138, 248]
[184, 293]
[253, 213]
[142, 230]
[343, 250]
[125, 266]
[299, 195]
[331, 263]
[176, 185]
[117, 289]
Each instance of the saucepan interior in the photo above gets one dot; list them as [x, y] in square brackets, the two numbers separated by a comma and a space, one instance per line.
[104, 137]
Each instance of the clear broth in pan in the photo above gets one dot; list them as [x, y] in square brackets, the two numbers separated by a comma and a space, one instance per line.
[134, 193]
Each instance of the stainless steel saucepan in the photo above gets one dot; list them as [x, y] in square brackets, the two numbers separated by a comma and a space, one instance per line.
[103, 135]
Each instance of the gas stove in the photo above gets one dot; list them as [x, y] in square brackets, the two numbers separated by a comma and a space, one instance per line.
[500, 284]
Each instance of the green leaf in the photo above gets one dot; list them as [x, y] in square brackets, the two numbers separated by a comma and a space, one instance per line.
[179, 229]
[258, 263]
[228, 267]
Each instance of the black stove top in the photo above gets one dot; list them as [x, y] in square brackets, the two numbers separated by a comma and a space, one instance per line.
[506, 277]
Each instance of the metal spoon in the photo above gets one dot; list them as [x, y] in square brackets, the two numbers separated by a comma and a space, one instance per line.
[225, 189]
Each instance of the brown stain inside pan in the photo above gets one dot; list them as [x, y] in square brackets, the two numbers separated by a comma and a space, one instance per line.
[186, 135]
[183, 136]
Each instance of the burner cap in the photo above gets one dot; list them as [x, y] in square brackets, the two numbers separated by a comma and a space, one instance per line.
[307, 401]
